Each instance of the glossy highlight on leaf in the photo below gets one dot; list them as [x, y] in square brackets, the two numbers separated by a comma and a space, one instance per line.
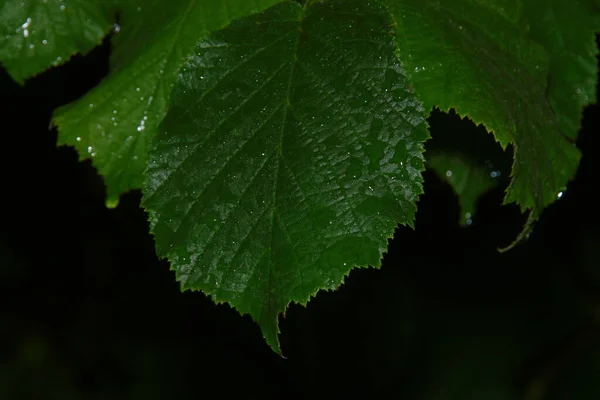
[292, 149]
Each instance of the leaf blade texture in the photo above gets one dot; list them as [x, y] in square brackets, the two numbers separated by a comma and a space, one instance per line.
[113, 123]
[291, 151]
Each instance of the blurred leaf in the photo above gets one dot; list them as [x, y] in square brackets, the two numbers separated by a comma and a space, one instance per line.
[468, 180]
[475, 57]
[567, 30]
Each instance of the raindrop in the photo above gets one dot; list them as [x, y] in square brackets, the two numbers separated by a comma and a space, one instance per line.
[62, 7]
[116, 28]
[560, 194]
[448, 173]
[142, 124]
[137, 89]
[78, 139]
[495, 174]
[44, 41]
[25, 27]
[91, 105]
[89, 149]
[114, 111]
[31, 46]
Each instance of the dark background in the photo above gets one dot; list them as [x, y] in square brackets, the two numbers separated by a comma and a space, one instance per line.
[87, 311]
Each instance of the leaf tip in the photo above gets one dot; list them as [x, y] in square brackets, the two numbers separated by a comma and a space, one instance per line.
[112, 202]
[524, 235]
[272, 338]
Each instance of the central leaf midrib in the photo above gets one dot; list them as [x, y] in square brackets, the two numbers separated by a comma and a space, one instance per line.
[287, 106]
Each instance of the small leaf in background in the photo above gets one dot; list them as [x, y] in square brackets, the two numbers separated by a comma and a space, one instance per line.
[113, 123]
[38, 34]
[292, 149]
[467, 157]
[468, 180]
[475, 57]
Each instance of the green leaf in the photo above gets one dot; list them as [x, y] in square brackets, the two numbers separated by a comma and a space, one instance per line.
[114, 122]
[37, 34]
[291, 151]
[477, 57]
[567, 30]
[468, 179]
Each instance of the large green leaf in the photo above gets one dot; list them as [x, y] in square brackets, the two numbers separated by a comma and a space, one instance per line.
[291, 151]
[113, 123]
[477, 57]
[36, 34]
